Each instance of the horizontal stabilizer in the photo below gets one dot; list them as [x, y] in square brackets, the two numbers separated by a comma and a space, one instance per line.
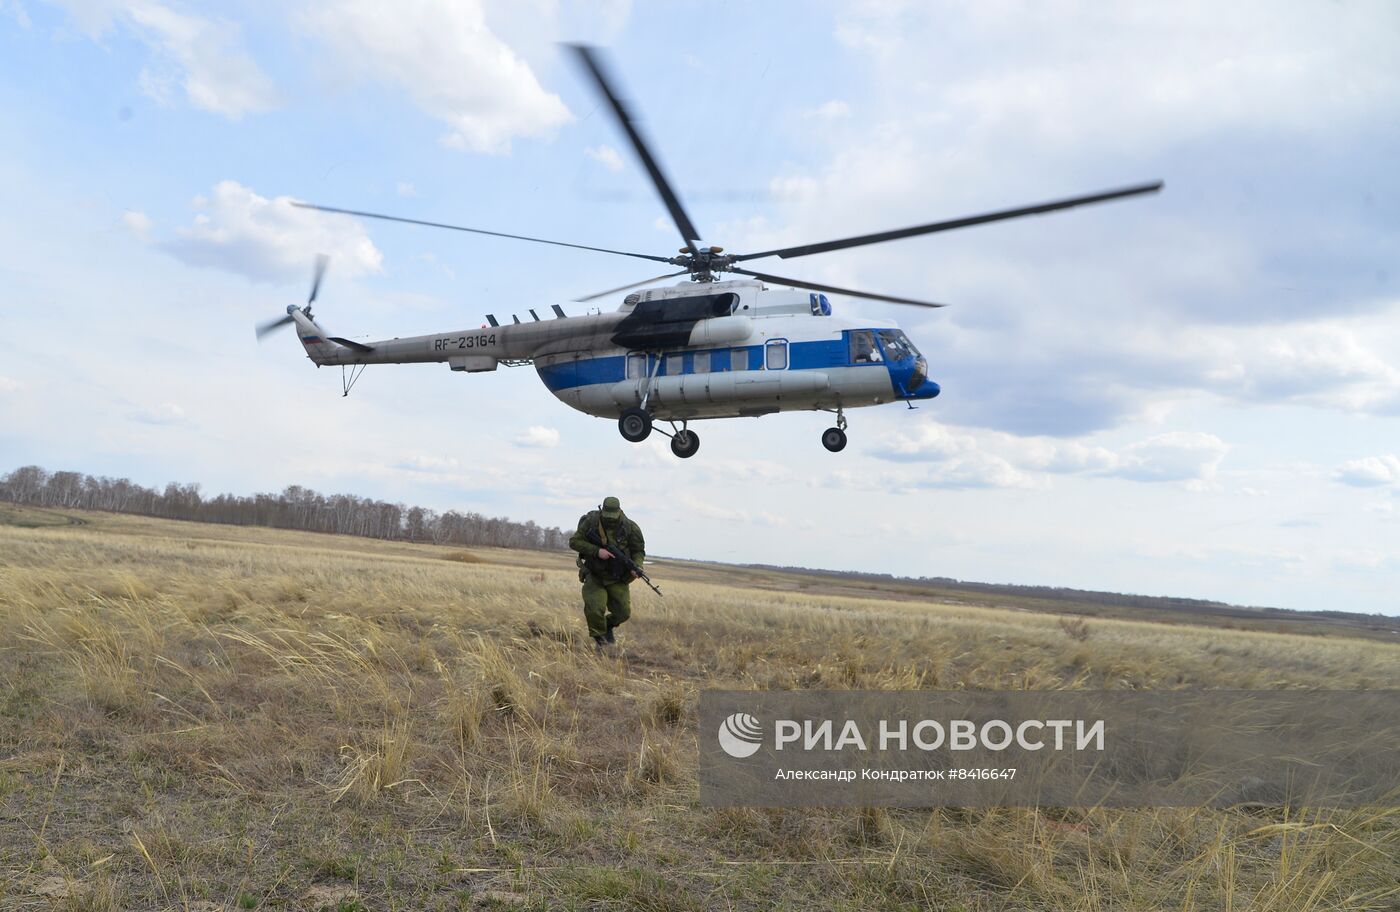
[357, 346]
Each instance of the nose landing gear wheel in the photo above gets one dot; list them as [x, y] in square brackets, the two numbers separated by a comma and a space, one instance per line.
[834, 439]
[634, 425]
[685, 444]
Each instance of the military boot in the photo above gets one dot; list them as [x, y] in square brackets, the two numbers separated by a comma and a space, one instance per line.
[610, 637]
[598, 643]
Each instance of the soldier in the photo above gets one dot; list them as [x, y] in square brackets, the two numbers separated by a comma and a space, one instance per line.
[607, 601]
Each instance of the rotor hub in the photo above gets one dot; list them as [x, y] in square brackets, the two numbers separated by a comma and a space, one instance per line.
[703, 262]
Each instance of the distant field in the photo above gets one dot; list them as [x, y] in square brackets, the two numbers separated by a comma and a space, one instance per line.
[36, 518]
[204, 717]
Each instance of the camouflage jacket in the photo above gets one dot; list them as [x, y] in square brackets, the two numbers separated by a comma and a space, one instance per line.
[626, 534]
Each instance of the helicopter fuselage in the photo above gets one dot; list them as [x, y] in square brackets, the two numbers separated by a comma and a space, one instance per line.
[692, 351]
[763, 352]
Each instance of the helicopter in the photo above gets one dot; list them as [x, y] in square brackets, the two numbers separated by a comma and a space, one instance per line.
[708, 347]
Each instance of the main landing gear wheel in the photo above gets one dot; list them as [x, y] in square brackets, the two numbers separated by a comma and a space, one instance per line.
[685, 444]
[834, 439]
[634, 425]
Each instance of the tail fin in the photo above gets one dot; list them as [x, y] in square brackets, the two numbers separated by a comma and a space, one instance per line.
[318, 345]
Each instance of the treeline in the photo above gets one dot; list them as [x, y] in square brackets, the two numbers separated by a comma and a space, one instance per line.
[294, 508]
[1057, 593]
[1061, 593]
[1092, 596]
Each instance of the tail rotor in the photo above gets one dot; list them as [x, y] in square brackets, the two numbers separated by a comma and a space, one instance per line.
[321, 261]
[262, 329]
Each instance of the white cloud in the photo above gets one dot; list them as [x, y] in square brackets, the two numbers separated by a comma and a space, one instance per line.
[1229, 282]
[832, 110]
[450, 62]
[992, 459]
[722, 471]
[404, 188]
[711, 510]
[138, 222]
[930, 442]
[16, 9]
[538, 436]
[1364, 559]
[165, 413]
[1370, 472]
[1177, 456]
[794, 188]
[270, 240]
[204, 56]
[933, 442]
[1385, 509]
[423, 463]
[10, 385]
[606, 156]
[1061, 456]
[962, 460]
[1339, 363]
[1194, 65]
[972, 470]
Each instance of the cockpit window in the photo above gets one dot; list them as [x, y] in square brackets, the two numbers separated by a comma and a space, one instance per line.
[897, 345]
[863, 350]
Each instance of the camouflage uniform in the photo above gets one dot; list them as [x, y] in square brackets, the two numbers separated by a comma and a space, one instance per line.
[607, 602]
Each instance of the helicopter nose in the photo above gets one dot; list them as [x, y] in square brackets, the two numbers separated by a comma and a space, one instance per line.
[927, 389]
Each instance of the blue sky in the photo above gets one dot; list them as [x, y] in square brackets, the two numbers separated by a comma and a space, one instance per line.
[1192, 394]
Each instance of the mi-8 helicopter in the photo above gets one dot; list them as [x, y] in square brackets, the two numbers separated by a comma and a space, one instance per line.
[705, 348]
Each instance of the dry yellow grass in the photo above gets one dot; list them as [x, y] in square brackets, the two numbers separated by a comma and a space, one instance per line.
[200, 717]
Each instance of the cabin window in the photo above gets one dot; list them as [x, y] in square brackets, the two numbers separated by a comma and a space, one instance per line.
[739, 359]
[897, 346]
[675, 365]
[636, 366]
[776, 355]
[863, 350]
[702, 363]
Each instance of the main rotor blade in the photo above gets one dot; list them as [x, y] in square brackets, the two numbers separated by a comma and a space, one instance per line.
[603, 294]
[593, 64]
[263, 329]
[897, 234]
[814, 286]
[517, 237]
[321, 261]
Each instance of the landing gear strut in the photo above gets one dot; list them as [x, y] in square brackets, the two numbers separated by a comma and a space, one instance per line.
[685, 443]
[634, 425]
[834, 439]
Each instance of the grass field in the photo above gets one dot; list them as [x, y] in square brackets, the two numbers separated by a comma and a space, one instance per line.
[205, 717]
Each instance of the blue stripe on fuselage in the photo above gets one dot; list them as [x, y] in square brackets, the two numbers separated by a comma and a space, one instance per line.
[613, 368]
[583, 372]
[812, 355]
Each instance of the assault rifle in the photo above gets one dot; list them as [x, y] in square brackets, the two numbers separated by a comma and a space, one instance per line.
[622, 557]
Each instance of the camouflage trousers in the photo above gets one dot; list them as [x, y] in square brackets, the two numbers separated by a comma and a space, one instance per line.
[605, 605]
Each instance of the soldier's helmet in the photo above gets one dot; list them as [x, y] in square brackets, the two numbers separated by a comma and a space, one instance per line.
[612, 509]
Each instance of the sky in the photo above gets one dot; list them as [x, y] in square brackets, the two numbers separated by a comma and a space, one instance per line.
[1193, 394]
